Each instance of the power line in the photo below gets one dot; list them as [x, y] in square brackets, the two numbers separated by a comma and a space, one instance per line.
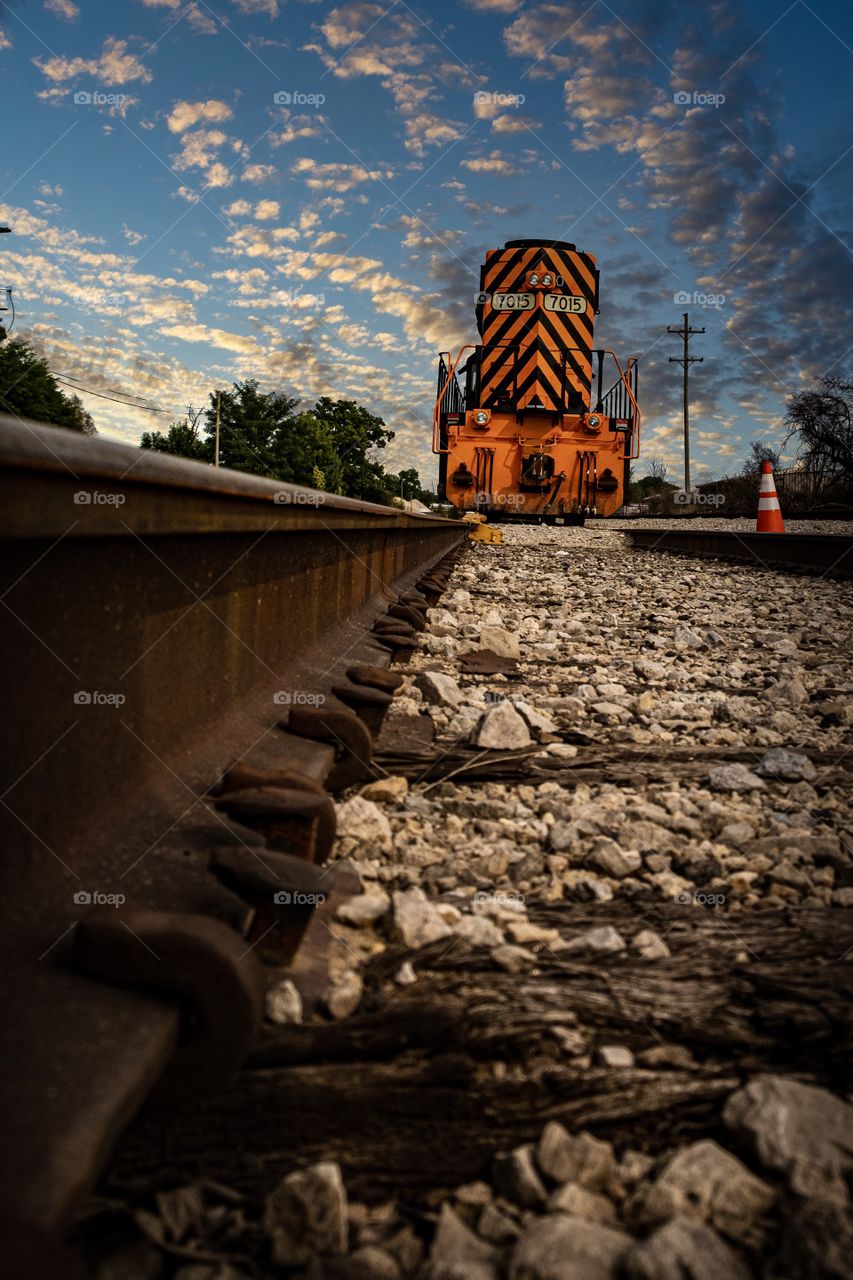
[101, 395]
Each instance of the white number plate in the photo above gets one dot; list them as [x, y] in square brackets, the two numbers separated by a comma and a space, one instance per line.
[565, 302]
[512, 301]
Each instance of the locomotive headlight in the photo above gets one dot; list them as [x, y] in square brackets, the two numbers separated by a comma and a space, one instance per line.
[593, 420]
[481, 417]
[547, 279]
[533, 278]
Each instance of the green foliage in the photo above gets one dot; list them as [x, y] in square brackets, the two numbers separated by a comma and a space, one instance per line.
[181, 439]
[29, 390]
[356, 434]
[332, 446]
[408, 486]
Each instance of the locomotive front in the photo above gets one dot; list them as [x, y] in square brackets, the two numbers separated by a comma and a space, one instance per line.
[533, 422]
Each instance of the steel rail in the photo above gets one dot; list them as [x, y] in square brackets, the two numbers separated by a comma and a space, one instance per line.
[160, 618]
[830, 554]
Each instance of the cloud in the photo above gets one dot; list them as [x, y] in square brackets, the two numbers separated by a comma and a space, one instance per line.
[258, 172]
[364, 39]
[334, 176]
[186, 114]
[213, 337]
[496, 163]
[63, 9]
[266, 210]
[113, 66]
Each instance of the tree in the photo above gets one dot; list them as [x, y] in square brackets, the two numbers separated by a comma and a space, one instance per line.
[251, 426]
[28, 389]
[408, 486]
[356, 434]
[823, 419]
[759, 453]
[182, 439]
[327, 447]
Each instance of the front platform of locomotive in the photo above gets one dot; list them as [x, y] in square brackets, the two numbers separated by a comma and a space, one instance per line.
[534, 423]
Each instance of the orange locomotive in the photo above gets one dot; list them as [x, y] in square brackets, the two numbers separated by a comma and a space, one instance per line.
[535, 424]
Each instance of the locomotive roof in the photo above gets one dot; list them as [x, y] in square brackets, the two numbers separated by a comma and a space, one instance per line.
[539, 244]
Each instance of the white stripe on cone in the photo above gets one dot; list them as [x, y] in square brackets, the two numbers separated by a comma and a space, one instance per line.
[768, 485]
[768, 502]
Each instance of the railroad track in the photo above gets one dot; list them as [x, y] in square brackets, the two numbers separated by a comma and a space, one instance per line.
[257, 640]
[195, 659]
[829, 554]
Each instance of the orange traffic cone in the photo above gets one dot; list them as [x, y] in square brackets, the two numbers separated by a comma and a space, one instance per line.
[769, 512]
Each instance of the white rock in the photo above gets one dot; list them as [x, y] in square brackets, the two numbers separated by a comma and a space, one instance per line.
[284, 1003]
[788, 766]
[733, 777]
[685, 638]
[604, 940]
[498, 640]
[439, 689]
[561, 1247]
[502, 729]
[364, 909]
[513, 959]
[416, 921]
[306, 1215]
[364, 822]
[480, 931]
[345, 995]
[651, 945]
[536, 719]
[616, 1056]
[391, 790]
[405, 975]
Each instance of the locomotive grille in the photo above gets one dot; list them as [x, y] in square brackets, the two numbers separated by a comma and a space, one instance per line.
[536, 358]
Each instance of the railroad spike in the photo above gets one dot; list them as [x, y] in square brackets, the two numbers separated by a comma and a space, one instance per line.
[375, 678]
[282, 890]
[350, 738]
[297, 822]
[200, 962]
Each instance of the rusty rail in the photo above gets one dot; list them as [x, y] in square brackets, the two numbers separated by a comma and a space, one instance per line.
[165, 623]
[830, 554]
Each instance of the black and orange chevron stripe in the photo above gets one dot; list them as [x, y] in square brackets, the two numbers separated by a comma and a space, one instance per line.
[537, 357]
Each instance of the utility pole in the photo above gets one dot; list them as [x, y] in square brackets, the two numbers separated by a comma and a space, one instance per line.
[216, 456]
[685, 332]
[5, 230]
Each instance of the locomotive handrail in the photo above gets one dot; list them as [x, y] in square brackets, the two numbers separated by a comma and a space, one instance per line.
[626, 381]
[436, 413]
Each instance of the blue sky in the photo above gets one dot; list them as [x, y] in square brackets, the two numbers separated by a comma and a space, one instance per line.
[303, 193]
